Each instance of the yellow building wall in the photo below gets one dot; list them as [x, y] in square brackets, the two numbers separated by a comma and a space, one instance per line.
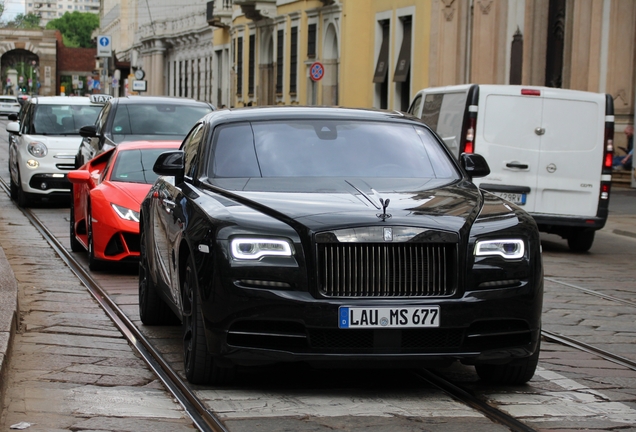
[359, 57]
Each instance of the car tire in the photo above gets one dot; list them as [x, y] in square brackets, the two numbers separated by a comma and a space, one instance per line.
[76, 246]
[13, 188]
[516, 372]
[152, 309]
[199, 366]
[23, 198]
[581, 240]
[93, 263]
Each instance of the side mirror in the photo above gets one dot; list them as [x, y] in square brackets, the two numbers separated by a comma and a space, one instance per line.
[475, 165]
[13, 127]
[78, 176]
[89, 131]
[12, 117]
[170, 164]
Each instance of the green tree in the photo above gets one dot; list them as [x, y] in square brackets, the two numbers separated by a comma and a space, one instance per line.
[76, 28]
[1, 8]
[28, 21]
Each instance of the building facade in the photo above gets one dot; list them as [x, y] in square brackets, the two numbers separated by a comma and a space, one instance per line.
[375, 53]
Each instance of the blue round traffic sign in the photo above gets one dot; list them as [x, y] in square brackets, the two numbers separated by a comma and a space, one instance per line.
[104, 41]
[316, 71]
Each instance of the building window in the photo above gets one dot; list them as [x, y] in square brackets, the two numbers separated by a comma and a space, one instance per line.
[311, 40]
[402, 75]
[239, 67]
[250, 80]
[280, 51]
[382, 66]
[293, 60]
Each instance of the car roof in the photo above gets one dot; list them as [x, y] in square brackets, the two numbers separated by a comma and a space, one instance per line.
[305, 112]
[159, 99]
[134, 145]
[62, 100]
[8, 97]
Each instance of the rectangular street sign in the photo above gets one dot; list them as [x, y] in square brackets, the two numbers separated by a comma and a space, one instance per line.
[104, 46]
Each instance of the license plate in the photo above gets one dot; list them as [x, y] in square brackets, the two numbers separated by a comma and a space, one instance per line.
[388, 317]
[515, 198]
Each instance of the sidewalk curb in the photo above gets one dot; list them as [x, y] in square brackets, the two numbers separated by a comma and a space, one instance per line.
[9, 316]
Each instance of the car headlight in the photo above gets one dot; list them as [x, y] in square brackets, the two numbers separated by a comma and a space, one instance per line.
[508, 249]
[255, 248]
[126, 213]
[37, 149]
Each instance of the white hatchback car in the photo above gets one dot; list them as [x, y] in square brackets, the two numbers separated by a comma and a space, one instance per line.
[9, 105]
[43, 150]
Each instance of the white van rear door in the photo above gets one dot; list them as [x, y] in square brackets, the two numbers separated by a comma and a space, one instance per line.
[506, 136]
[571, 157]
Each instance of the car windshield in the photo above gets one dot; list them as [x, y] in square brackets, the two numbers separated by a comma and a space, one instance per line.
[135, 166]
[328, 149]
[63, 119]
[150, 121]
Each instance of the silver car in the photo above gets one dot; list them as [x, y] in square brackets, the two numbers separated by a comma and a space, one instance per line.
[44, 146]
[9, 105]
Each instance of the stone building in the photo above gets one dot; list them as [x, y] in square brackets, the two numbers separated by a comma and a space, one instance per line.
[375, 53]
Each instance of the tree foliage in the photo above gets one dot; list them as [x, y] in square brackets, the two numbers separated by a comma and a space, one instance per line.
[22, 21]
[76, 28]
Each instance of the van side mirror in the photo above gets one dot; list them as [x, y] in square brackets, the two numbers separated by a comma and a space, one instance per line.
[170, 163]
[89, 131]
[475, 165]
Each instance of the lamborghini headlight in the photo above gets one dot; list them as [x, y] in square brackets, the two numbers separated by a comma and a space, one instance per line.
[255, 248]
[508, 249]
[126, 213]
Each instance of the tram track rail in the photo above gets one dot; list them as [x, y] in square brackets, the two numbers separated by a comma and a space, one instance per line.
[201, 417]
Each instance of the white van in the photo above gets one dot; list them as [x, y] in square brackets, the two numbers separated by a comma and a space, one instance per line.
[549, 150]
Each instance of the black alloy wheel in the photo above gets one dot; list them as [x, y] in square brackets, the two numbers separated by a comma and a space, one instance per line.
[517, 372]
[76, 246]
[199, 365]
[93, 263]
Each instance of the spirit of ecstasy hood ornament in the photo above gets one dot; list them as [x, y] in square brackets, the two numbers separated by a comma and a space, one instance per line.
[384, 215]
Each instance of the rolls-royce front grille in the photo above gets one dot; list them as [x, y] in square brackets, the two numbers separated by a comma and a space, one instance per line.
[387, 270]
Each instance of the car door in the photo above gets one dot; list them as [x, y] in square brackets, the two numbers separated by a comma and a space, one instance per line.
[508, 135]
[173, 215]
[571, 157]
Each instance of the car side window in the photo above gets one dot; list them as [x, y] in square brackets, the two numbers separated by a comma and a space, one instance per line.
[27, 120]
[191, 150]
[101, 119]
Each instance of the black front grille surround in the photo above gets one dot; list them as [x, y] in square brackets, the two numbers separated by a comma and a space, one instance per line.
[387, 270]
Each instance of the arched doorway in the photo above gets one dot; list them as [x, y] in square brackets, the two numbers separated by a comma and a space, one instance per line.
[20, 72]
[267, 89]
[331, 56]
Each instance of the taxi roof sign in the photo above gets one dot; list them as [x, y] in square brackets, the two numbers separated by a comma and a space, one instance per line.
[100, 98]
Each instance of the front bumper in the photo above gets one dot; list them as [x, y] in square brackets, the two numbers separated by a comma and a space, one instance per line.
[248, 326]
[48, 178]
[114, 238]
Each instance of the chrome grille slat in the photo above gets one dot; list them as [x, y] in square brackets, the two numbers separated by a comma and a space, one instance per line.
[361, 270]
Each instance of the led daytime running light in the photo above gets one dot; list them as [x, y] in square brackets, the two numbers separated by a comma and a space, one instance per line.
[256, 248]
[508, 249]
[126, 213]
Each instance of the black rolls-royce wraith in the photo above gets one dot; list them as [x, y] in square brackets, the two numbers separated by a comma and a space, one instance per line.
[337, 237]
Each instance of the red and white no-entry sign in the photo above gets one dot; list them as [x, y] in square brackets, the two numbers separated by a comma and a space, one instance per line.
[316, 71]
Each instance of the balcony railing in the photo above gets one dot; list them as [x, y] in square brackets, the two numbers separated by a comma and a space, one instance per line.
[219, 13]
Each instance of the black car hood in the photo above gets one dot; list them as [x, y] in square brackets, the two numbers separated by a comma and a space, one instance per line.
[321, 204]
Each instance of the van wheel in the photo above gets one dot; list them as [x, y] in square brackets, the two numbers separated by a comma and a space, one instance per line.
[516, 372]
[581, 240]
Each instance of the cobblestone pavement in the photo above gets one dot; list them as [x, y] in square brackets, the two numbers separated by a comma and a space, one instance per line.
[70, 368]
